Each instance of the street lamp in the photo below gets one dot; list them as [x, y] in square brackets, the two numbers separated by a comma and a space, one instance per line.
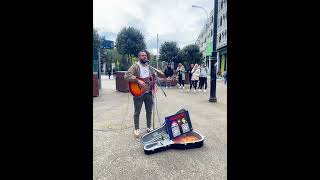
[213, 77]
[203, 9]
[157, 51]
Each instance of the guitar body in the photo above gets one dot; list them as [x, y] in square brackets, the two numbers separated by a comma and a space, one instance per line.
[138, 91]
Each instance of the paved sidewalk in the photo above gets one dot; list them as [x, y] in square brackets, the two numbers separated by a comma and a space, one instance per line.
[117, 155]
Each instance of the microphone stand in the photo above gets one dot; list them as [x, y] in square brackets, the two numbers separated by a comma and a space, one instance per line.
[157, 79]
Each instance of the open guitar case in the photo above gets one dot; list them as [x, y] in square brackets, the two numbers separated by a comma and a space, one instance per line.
[161, 138]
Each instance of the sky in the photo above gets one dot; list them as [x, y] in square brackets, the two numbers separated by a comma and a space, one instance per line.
[173, 20]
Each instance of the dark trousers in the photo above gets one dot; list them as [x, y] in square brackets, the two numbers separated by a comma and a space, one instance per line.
[181, 81]
[203, 81]
[190, 82]
[194, 84]
[148, 102]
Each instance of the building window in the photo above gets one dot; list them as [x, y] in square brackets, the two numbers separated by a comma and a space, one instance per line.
[211, 32]
[220, 21]
[219, 37]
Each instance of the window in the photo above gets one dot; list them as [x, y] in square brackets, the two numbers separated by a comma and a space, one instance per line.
[220, 21]
[211, 32]
[219, 37]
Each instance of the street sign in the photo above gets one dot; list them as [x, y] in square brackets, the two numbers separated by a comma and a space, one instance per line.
[107, 44]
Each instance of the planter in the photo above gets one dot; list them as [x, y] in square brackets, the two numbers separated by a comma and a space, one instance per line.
[95, 85]
[162, 80]
[121, 83]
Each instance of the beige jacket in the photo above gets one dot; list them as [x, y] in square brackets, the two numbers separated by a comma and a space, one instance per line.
[182, 70]
[134, 71]
[195, 74]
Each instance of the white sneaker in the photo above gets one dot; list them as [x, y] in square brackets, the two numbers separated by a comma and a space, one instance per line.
[200, 90]
[179, 87]
[188, 90]
[183, 87]
[204, 90]
[149, 129]
[136, 133]
[194, 91]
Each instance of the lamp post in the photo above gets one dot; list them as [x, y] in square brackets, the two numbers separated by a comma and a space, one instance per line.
[203, 9]
[157, 51]
[213, 76]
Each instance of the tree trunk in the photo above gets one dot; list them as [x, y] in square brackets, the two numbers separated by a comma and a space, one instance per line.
[131, 58]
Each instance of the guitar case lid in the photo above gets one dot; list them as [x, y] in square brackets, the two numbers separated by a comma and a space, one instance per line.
[159, 133]
[159, 140]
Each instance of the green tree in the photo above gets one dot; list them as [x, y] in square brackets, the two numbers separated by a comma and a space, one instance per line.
[124, 64]
[96, 48]
[129, 42]
[118, 58]
[96, 40]
[153, 60]
[169, 52]
[190, 54]
[108, 56]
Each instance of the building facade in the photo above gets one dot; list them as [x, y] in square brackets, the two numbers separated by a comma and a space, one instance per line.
[204, 41]
[222, 37]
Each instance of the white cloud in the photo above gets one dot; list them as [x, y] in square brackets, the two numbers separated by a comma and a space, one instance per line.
[173, 20]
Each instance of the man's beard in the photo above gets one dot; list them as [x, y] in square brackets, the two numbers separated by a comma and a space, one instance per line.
[143, 62]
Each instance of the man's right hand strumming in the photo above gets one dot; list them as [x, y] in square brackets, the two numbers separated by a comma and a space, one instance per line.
[141, 83]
